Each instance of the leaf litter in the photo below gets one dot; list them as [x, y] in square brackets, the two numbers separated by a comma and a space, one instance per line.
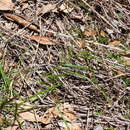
[107, 75]
[20, 21]
[65, 111]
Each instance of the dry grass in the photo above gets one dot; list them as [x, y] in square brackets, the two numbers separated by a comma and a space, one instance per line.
[93, 78]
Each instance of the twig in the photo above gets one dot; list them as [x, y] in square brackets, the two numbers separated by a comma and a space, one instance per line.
[99, 15]
[120, 75]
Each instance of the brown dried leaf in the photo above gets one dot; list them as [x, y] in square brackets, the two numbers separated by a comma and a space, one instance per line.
[65, 109]
[46, 8]
[41, 39]
[24, 5]
[21, 21]
[126, 61]
[29, 116]
[54, 112]
[49, 115]
[115, 43]
[90, 32]
[81, 44]
[6, 5]
[69, 115]
[11, 128]
[68, 112]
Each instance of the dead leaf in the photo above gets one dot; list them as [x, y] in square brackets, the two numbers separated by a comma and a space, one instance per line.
[29, 116]
[6, 5]
[63, 110]
[66, 110]
[126, 61]
[81, 44]
[21, 21]
[45, 9]
[49, 115]
[69, 115]
[115, 43]
[24, 5]
[41, 39]
[11, 128]
[90, 32]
